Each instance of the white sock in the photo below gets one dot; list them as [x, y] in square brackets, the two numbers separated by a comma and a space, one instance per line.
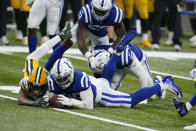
[188, 106]
[144, 36]
[170, 35]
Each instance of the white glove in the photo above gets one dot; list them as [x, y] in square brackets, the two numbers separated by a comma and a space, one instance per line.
[102, 58]
[29, 2]
[193, 74]
[64, 100]
[91, 59]
[47, 97]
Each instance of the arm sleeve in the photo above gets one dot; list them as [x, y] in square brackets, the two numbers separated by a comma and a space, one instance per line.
[86, 100]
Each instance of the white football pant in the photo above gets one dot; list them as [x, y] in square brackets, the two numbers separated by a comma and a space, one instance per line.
[42, 8]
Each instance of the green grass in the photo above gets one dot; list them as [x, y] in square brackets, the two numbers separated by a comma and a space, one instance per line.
[157, 114]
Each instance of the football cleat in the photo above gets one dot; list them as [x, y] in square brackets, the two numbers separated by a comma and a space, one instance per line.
[66, 33]
[147, 43]
[171, 86]
[180, 107]
[130, 35]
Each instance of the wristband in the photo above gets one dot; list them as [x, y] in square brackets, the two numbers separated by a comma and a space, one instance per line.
[88, 54]
[110, 50]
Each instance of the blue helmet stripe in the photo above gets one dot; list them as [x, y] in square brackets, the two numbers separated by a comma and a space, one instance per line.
[58, 65]
[102, 3]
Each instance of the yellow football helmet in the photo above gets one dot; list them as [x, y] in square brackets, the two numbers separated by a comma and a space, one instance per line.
[37, 82]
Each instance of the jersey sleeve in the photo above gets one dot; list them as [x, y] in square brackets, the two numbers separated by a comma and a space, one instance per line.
[84, 14]
[53, 86]
[85, 81]
[118, 15]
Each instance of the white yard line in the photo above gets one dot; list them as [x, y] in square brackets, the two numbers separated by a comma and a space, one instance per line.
[92, 117]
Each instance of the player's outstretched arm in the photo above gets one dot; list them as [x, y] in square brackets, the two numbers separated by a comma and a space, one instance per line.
[86, 101]
[81, 37]
[119, 31]
[23, 98]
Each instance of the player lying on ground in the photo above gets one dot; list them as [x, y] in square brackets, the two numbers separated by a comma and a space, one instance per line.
[184, 108]
[65, 81]
[34, 85]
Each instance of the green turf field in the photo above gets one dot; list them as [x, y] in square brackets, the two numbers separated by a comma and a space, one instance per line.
[156, 115]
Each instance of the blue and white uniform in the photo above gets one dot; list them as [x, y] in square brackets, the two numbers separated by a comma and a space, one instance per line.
[92, 90]
[42, 8]
[97, 30]
[87, 1]
[133, 61]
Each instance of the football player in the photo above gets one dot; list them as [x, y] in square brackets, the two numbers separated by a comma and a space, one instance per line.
[39, 10]
[34, 83]
[184, 108]
[94, 19]
[64, 80]
[127, 7]
[132, 61]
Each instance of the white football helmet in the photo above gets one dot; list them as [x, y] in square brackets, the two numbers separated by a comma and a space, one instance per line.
[63, 72]
[101, 58]
[101, 9]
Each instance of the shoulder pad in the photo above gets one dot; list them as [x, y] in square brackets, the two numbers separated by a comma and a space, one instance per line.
[118, 14]
[24, 83]
[85, 14]
[85, 81]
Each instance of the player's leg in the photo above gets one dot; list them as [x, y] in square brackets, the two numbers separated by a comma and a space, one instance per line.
[110, 67]
[36, 15]
[142, 6]
[113, 98]
[128, 11]
[53, 19]
[144, 93]
[119, 74]
[138, 70]
[159, 6]
[167, 84]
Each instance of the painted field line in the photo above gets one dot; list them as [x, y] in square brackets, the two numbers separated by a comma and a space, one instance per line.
[92, 117]
[155, 72]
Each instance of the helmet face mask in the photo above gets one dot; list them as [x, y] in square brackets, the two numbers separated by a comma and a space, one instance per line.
[37, 82]
[63, 73]
[36, 89]
[101, 9]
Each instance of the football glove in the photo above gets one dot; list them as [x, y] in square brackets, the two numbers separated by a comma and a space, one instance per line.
[66, 33]
[29, 2]
[40, 103]
[64, 100]
[91, 60]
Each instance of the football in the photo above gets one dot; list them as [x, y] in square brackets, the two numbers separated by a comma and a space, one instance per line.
[54, 102]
